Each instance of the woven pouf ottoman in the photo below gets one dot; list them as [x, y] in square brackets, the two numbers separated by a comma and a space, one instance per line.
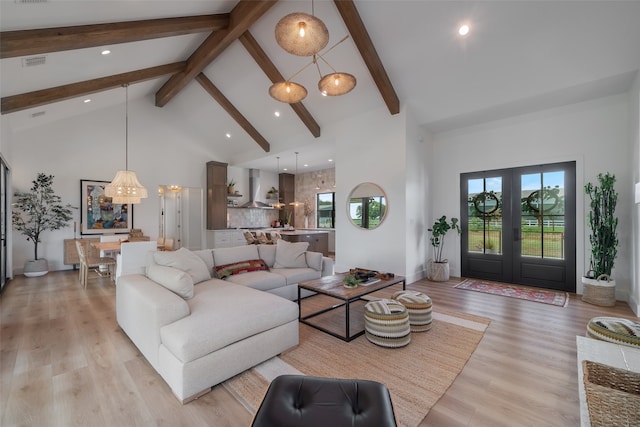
[615, 330]
[419, 307]
[386, 323]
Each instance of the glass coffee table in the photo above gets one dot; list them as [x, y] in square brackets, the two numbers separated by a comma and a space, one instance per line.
[332, 286]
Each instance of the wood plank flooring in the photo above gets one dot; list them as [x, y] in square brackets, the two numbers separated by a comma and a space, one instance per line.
[65, 362]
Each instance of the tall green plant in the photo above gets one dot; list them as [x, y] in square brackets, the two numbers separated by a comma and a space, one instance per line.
[39, 210]
[438, 231]
[603, 224]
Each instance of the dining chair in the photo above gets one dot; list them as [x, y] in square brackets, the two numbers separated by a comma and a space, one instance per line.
[88, 262]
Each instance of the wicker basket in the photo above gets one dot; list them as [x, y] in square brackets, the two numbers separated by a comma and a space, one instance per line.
[613, 395]
[600, 291]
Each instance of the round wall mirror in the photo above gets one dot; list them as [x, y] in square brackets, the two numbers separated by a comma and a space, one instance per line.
[367, 205]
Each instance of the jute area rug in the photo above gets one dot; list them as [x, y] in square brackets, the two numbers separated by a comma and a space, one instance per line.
[417, 375]
[544, 296]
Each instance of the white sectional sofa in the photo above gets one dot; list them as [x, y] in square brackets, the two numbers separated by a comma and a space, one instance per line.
[198, 331]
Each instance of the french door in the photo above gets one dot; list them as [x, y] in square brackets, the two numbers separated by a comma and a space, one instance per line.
[518, 225]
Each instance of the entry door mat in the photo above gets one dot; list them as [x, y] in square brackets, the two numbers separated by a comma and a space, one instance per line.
[544, 296]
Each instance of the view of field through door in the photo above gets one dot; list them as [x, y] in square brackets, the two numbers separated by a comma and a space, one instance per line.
[518, 225]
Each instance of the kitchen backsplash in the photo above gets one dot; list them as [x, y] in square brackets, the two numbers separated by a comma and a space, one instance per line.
[250, 218]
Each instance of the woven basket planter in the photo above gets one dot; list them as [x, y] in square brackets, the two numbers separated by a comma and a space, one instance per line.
[600, 291]
[438, 271]
[613, 395]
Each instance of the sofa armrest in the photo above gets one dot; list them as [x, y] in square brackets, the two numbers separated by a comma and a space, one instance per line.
[142, 308]
[327, 266]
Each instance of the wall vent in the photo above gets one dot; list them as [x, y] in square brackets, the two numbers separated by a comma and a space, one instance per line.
[38, 114]
[33, 61]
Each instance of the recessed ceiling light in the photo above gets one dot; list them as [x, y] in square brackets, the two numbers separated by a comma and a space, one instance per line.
[330, 160]
[228, 135]
[305, 165]
[277, 114]
[285, 169]
[463, 30]
[105, 52]
[86, 101]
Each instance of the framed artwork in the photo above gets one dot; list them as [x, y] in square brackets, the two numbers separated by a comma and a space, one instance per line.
[99, 215]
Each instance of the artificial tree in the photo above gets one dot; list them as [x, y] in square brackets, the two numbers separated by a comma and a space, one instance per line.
[39, 210]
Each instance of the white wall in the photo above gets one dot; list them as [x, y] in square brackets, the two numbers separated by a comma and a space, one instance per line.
[371, 148]
[92, 146]
[634, 142]
[594, 134]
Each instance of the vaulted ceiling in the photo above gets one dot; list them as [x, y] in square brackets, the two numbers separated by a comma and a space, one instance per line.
[210, 63]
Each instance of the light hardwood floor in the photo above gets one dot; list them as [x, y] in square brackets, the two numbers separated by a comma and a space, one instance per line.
[64, 361]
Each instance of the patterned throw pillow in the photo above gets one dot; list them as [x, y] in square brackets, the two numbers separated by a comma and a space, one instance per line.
[240, 267]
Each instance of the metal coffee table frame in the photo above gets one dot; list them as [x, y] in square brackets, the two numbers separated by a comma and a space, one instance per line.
[332, 286]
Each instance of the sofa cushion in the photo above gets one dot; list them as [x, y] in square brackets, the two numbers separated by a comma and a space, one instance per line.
[295, 275]
[240, 267]
[185, 260]
[314, 260]
[207, 256]
[177, 281]
[222, 256]
[290, 255]
[268, 254]
[223, 313]
[261, 280]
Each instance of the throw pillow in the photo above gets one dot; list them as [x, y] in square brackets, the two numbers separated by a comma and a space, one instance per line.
[290, 255]
[314, 260]
[185, 260]
[240, 267]
[177, 281]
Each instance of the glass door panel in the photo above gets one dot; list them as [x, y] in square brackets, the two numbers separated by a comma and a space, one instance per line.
[484, 219]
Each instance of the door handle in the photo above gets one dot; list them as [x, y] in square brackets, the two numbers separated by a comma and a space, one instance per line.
[516, 234]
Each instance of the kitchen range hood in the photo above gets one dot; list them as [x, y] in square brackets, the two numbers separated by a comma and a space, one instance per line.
[254, 192]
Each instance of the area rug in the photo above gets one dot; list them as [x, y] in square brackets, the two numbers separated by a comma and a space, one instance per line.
[417, 375]
[544, 296]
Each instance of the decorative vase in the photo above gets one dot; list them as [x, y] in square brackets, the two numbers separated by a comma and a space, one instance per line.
[35, 268]
[306, 222]
[231, 189]
[438, 271]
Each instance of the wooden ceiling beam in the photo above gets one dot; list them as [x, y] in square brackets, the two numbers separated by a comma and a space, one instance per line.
[269, 68]
[39, 41]
[243, 15]
[11, 104]
[233, 111]
[360, 36]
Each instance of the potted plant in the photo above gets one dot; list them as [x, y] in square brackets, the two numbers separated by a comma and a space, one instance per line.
[599, 288]
[37, 211]
[231, 187]
[438, 268]
[350, 281]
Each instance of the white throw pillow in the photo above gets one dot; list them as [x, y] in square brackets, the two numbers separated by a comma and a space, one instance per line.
[314, 260]
[290, 255]
[185, 260]
[177, 281]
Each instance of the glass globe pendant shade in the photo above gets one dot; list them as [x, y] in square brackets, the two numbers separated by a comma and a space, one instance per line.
[301, 34]
[336, 84]
[288, 92]
[125, 188]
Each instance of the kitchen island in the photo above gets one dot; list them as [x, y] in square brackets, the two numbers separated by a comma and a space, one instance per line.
[318, 240]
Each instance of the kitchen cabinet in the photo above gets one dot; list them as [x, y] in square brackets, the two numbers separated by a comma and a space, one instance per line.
[225, 239]
[216, 195]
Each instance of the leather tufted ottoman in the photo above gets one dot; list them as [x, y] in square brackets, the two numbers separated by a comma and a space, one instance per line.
[386, 323]
[298, 400]
[615, 329]
[419, 307]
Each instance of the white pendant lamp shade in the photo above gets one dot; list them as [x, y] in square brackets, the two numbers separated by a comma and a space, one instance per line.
[336, 84]
[289, 92]
[301, 34]
[125, 188]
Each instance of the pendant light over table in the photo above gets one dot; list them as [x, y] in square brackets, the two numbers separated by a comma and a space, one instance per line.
[125, 187]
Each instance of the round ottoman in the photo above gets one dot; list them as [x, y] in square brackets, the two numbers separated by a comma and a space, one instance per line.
[615, 330]
[419, 307]
[386, 323]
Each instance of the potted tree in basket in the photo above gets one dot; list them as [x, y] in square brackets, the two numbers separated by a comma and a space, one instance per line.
[438, 268]
[37, 211]
[598, 287]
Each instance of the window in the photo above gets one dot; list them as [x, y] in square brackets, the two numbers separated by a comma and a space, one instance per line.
[326, 213]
